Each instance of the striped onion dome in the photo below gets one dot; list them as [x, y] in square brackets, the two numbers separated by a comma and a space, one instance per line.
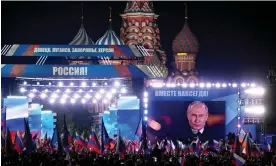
[81, 38]
[185, 41]
[109, 38]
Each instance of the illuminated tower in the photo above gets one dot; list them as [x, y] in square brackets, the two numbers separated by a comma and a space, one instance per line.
[139, 27]
[185, 48]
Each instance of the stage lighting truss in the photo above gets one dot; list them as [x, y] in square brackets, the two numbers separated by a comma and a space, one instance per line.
[74, 83]
[253, 120]
[70, 92]
[145, 106]
[204, 85]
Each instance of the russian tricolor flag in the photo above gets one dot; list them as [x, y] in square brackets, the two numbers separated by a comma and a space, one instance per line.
[78, 140]
[93, 143]
[238, 160]
[3, 118]
[18, 146]
[215, 144]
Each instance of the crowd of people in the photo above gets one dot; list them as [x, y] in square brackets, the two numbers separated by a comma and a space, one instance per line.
[155, 156]
[61, 150]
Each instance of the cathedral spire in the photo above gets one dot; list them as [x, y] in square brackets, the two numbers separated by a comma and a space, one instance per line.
[110, 18]
[186, 13]
[82, 17]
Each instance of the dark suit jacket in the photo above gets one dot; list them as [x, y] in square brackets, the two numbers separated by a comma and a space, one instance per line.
[202, 137]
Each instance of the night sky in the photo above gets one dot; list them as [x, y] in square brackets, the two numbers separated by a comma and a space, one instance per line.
[237, 39]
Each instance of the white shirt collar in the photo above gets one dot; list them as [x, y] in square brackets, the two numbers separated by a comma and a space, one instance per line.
[196, 131]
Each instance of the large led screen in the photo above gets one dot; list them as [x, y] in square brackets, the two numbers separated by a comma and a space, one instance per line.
[16, 111]
[183, 119]
[125, 118]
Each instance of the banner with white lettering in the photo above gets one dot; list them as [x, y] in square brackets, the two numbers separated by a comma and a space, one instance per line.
[72, 50]
[71, 71]
[189, 94]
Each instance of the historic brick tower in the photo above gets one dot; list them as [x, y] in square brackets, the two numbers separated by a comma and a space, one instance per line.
[139, 27]
[185, 48]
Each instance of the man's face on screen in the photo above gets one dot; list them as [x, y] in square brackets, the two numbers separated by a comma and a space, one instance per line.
[197, 116]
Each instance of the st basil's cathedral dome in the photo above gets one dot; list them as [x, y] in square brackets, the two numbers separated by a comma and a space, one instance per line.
[185, 41]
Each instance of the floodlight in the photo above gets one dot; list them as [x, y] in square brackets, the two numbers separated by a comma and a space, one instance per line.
[108, 96]
[87, 96]
[234, 85]
[57, 90]
[113, 90]
[22, 90]
[146, 105]
[145, 118]
[239, 126]
[173, 85]
[116, 83]
[76, 95]
[94, 84]
[217, 85]
[34, 90]
[60, 84]
[146, 94]
[184, 85]
[43, 95]
[157, 85]
[62, 101]
[37, 83]
[224, 85]
[73, 101]
[98, 96]
[46, 90]
[253, 85]
[67, 90]
[104, 101]
[83, 101]
[52, 101]
[208, 85]
[71, 84]
[145, 112]
[31, 95]
[202, 85]
[123, 90]
[243, 85]
[94, 101]
[54, 95]
[146, 100]
[102, 90]
[192, 85]
[65, 96]
[25, 83]
[255, 110]
[255, 91]
[83, 84]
